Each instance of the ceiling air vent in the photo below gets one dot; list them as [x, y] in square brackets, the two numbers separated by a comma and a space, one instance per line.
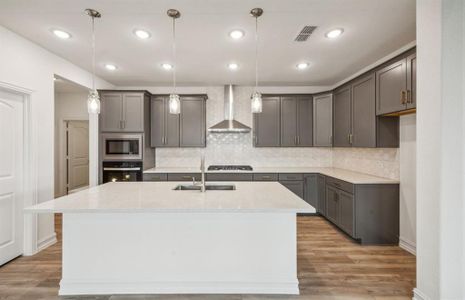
[305, 33]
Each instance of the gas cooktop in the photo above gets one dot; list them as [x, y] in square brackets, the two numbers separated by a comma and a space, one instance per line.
[229, 168]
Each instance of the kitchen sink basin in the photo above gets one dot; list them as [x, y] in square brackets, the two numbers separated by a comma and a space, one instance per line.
[208, 187]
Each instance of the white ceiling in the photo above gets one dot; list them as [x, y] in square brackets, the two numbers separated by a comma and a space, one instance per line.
[373, 29]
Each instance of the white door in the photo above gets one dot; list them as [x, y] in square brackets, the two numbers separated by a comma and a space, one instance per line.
[11, 176]
[78, 155]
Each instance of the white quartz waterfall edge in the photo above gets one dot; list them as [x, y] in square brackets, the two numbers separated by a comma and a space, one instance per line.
[176, 253]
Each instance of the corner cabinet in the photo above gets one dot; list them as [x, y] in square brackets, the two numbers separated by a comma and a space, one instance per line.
[323, 120]
[188, 129]
[342, 117]
[123, 111]
[396, 86]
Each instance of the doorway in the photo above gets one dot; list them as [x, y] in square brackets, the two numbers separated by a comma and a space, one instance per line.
[11, 174]
[77, 155]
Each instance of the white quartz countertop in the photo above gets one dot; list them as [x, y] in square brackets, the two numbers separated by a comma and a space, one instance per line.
[342, 174]
[145, 197]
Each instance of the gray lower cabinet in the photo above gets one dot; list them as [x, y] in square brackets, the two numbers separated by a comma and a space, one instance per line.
[155, 177]
[187, 129]
[229, 177]
[323, 120]
[311, 189]
[332, 204]
[184, 177]
[364, 112]
[297, 187]
[346, 212]
[321, 189]
[192, 122]
[342, 117]
[122, 111]
[265, 177]
[266, 125]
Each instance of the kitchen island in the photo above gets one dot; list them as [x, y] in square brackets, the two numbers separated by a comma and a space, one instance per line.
[146, 238]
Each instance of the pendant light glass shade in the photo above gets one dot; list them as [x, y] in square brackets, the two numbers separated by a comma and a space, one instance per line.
[93, 102]
[257, 104]
[174, 104]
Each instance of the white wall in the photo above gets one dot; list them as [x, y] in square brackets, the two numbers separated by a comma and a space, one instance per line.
[25, 64]
[68, 106]
[407, 164]
[440, 149]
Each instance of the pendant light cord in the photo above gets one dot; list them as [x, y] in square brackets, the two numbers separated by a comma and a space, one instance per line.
[256, 53]
[93, 54]
[174, 56]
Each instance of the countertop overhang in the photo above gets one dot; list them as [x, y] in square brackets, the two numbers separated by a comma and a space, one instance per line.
[159, 197]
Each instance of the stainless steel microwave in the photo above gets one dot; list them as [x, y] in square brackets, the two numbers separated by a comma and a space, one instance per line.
[120, 146]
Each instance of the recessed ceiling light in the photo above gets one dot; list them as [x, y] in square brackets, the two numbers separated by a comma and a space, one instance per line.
[142, 34]
[236, 34]
[303, 65]
[110, 67]
[167, 66]
[61, 34]
[332, 34]
[233, 66]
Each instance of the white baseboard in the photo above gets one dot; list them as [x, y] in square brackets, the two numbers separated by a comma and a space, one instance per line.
[72, 287]
[408, 246]
[46, 242]
[418, 295]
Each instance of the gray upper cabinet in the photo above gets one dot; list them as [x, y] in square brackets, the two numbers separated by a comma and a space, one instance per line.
[411, 81]
[267, 124]
[323, 120]
[289, 122]
[342, 117]
[187, 129]
[363, 112]
[164, 126]
[193, 122]
[296, 121]
[391, 82]
[122, 111]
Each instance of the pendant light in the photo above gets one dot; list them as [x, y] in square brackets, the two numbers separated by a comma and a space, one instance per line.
[174, 102]
[256, 97]
[93, 100]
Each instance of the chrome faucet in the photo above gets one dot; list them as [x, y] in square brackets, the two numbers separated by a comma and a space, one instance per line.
[202, 169]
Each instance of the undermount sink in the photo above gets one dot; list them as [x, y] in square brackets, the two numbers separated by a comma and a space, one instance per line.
[208, 187]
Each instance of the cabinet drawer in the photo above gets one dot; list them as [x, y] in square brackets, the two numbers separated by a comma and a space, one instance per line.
[291, 176]
[184, 176]
[265, 177]
[155, 177]
[229, 177]
[340, 184]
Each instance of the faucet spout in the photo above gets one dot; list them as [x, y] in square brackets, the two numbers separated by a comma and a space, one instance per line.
[202, 169]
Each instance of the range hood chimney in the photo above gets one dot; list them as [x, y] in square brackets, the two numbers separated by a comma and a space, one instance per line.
[229, 125]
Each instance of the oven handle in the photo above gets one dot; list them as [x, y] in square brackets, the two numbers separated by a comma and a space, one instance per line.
[121, 169]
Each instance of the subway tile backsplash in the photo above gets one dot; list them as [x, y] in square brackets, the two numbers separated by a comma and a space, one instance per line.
[234, 148]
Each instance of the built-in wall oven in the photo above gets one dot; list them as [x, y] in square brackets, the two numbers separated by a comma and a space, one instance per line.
[121, 171]
[122, 147]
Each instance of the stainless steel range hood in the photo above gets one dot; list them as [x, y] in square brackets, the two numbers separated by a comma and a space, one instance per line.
[229, 125]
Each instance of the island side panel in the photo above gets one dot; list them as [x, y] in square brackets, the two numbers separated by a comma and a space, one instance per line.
[151, 253]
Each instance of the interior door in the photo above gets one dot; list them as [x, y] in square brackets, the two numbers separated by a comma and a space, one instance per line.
[77, 154]
[11, 176]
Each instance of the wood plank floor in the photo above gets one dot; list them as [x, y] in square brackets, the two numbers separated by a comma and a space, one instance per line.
[330, 266]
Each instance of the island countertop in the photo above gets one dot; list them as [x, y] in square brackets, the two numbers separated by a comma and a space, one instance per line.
[144, 197]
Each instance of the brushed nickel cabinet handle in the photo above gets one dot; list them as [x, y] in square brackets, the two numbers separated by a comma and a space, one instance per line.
[187, 177]
[409, 96]
[403, 99]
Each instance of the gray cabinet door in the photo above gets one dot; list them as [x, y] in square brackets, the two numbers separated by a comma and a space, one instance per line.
[157, 122]
[305, 122]
[111, 112]
[311, 190]
[332, 205]
[411, 81]
[323, 120]
[363, 112]
[171, 127]
[297, 187]
[192, 122]
[321, 189]
[289, 121]
[346, 212]
[267, 124]
[342, 117]
[391, 86]
[133, 112]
